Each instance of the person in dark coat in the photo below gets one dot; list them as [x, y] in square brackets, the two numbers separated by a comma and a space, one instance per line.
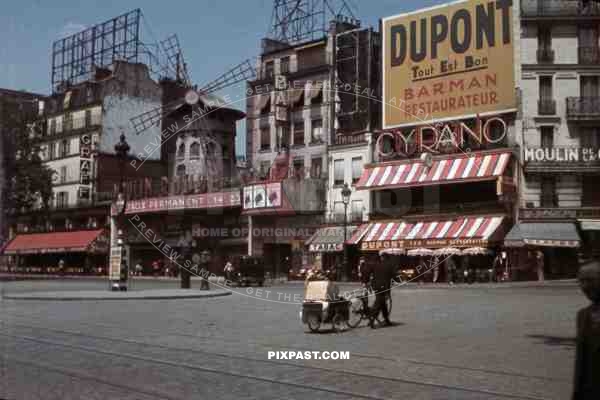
[364, 275]
[382, 280]
[586, 385]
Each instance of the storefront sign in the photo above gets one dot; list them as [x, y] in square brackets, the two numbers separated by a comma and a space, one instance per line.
[561, 154]
[262, 195]
[442, 138]
[427, 243]
[116, 256]
[448, 61]
[326, 247]
[190, 202]
[85, 166]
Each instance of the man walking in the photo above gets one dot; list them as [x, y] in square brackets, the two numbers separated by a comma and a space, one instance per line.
[364, 275]
[382, 279]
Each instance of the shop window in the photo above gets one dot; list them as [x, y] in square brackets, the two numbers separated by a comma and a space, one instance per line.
[338, 172]
[357, 169]
[548, 195]
[298, 133]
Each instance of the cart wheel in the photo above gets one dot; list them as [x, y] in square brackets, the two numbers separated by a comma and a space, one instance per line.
[355, 313]
[314, 322]
[338, 322]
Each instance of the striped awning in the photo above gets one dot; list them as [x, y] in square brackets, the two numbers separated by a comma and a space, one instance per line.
[468, 167]
[458, 232]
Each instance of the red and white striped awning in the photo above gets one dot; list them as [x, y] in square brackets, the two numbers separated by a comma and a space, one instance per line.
[458, 232]
[467, 167]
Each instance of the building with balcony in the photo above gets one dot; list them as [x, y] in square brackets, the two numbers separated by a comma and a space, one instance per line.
[560, 135]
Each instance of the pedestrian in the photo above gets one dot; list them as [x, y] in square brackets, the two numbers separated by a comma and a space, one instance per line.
[138, 268]
[228, 270]
[61, 267]
[451, 270]
[364, 275]
[539, 263]
[155, 268]
[586, 385]
[382, 279]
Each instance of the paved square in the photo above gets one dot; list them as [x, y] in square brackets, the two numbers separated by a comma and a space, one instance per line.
[477, 342]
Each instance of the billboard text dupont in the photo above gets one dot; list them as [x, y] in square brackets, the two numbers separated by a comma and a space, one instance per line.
[454, 60]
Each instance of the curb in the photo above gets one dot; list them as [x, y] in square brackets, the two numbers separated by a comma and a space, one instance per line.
[123, 296]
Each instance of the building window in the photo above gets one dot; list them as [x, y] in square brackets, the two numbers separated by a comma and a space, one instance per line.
[338, 172]
[590, 193]
[264, 169]
[62, 199]
[52, 151]
[298, 168]
[548, 196]
[589, 87]
[316, 167]
[285, 65]
[64, 149]
[547, 136]
[53, 126]
[63, 174]
[195, 151]
[357, 211]
[298, 133]
[180, 170]
[589, 137]
[181, 151]
[357, 168]
[588, 45]
[88, 118]
[546, 105]
[284, 140]
[67, 122]
[545, 53]
[316, 131]
[265, 138]
[269, 69]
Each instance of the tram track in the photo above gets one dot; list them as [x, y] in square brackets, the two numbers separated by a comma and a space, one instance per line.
[317, 369]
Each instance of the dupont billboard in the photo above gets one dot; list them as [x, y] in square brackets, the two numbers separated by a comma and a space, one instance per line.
[448, 61]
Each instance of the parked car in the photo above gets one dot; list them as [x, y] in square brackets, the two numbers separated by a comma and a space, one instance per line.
[250, 270]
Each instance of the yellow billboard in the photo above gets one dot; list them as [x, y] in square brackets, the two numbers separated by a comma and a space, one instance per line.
[447, 62]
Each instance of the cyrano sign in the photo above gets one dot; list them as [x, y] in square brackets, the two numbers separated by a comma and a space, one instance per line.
[449, 61]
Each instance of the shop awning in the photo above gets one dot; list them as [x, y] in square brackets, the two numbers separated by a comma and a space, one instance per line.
[58, 242]
[469, 167]
[329, 239]
[544, 234]
[589, 224]
[457, 232]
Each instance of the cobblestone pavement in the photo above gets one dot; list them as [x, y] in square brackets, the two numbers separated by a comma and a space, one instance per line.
[489, 342]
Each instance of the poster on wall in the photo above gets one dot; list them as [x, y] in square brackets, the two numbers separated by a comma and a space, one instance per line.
[447, 62]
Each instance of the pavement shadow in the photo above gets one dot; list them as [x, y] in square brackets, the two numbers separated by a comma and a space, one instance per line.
[555, 340]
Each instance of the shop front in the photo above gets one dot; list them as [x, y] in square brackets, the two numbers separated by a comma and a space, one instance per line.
[543, 250]
[327, 245]
[71, 252]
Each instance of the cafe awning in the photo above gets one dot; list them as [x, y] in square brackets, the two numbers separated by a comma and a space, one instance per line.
[59, 242]
[458, 232]
[329, 239]
[458, 168]
[543, 234]
[589, 224]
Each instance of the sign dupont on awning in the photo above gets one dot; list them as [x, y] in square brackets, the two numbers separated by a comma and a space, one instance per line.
[470, 167]
[459, 232]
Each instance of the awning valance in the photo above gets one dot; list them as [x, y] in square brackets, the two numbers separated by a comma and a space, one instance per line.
[329, 239]
[590, 224]
[59, 242]
[458, 232]
[469, 167]
[543, 234]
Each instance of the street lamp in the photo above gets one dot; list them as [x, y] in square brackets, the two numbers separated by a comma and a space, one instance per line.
[121, 150]
[346, 193]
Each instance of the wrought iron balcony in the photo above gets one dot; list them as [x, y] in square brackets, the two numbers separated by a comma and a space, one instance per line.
[338, 218]
[583, 108]
[559, 8]
[589, 55]
[546, 107]
[545, 55]
[350, 139]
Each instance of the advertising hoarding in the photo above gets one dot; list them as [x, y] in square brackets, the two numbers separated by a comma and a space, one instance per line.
[447, 62]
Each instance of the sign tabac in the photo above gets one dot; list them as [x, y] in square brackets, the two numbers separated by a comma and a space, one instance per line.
[447, 62]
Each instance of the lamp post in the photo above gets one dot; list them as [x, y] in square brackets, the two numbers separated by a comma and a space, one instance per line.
[346, 193]
[121, 150]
